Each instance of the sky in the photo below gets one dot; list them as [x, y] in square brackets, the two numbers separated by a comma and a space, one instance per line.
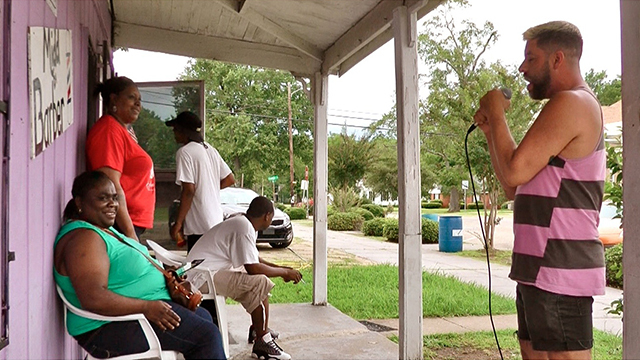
[367, 91]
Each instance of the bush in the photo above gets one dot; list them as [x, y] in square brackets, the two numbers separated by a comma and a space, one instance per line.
[613, 261]
[344, 198]
[374, 227]
[436, 201]
[390, 208]
[472, 205]
[366, 214]
[390, 230]
[376, 210]
[296, 213]
[431, 205]
[365, 200]
[331, 210]
[280, 206]
[430, 231]
[345, 221]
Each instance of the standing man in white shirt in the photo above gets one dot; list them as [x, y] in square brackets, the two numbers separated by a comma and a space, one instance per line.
[201, 172]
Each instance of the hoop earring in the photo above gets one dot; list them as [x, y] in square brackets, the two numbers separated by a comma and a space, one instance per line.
[114, 109]
[79, 211]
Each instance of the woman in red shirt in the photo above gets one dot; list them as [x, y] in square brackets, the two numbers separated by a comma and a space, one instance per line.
[113, 149]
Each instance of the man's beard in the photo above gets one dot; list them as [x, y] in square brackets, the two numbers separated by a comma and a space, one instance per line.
[540, 85]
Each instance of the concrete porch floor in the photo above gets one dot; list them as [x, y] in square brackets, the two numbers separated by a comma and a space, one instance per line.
[311, 332]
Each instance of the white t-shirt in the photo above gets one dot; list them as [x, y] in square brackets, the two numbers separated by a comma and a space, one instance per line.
[228, 245]
[203, 167]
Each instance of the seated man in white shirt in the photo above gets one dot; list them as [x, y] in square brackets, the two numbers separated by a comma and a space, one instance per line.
[230, 247]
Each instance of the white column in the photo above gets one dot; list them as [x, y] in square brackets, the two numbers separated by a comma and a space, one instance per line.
[630, 13]
[410, 239]
[320, 181]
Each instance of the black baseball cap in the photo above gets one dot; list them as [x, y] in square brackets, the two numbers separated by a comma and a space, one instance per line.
[188, 123]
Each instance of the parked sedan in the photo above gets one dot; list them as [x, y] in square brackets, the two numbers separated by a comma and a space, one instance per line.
[236, 200]
[609, 227]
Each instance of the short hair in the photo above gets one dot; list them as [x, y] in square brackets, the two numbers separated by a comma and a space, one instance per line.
[556, 35]
[115, 86]
[82, 184]
[259, 207]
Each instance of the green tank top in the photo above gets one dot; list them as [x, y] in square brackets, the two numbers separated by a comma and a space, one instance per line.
[130, 275]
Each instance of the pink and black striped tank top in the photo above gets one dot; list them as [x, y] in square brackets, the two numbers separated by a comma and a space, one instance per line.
[555, 223]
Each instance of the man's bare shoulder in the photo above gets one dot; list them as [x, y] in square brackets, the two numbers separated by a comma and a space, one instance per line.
[578, 113]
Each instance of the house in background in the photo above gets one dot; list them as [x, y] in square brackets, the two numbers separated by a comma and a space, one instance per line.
[613, 123]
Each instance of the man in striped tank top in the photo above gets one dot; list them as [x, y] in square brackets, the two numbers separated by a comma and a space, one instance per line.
[556, 176]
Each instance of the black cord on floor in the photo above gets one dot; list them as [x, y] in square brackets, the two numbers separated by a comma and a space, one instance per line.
[484, 237]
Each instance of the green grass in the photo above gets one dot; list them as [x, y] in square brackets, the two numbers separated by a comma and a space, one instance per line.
[161, 215]
[371, 292]
[468, 212]
[502, 257]
[606, 346]
[305, 222]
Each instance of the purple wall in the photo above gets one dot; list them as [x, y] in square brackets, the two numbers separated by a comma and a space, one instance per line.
[40, 187]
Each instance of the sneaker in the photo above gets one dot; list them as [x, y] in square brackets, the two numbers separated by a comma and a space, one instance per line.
[267, 349]
[252, 334]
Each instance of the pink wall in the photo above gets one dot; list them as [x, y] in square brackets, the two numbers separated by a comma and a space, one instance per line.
[40, 187]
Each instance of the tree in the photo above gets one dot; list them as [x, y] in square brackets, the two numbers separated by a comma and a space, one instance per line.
[457, 78]
[156, 139]
[349, 158]
[247, 120]
[607, 92]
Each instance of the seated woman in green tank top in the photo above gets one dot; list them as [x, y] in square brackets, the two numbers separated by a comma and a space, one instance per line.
[99, 270]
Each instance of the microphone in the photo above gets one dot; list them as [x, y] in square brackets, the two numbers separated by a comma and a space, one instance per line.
[506, 92]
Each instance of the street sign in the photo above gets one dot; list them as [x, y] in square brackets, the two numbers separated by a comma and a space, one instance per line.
[465, 184]
[304, 184]
[273, 178]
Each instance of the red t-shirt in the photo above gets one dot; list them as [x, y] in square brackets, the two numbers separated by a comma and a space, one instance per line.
[109, 144]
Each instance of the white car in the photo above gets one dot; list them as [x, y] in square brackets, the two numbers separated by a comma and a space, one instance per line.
[236, 201]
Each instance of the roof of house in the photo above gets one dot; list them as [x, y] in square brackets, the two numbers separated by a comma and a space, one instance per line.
[612, 113]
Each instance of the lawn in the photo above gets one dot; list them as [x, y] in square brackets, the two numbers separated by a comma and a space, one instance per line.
[502, 257]
[371, 292]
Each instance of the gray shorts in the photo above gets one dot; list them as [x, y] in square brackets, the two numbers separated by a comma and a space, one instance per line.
[554, 322]
[248, 290]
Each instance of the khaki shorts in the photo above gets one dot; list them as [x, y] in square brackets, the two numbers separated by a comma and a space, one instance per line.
[248, 290]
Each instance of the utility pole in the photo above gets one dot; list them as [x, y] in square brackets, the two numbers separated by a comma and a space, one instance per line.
[291, 184]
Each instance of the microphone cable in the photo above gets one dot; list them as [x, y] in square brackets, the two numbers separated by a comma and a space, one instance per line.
[484, 237]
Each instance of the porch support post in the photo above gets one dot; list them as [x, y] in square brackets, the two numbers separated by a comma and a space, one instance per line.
[630, 15]
[410, 239]
[320, 83]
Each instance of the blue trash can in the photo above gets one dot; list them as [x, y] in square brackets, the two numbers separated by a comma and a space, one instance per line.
[432, 217]
[450, 236]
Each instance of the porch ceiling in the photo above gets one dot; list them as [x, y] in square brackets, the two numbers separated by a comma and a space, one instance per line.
[301, 36]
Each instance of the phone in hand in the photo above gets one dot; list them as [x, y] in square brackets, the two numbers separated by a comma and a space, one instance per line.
[188, 266]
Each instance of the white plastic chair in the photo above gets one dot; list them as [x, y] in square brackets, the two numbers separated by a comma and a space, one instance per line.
[170, 258]
[155, 350]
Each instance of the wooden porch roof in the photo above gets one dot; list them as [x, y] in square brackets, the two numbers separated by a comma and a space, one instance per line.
[301, 36]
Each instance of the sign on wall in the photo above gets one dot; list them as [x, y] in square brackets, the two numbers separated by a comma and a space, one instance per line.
[50, 85]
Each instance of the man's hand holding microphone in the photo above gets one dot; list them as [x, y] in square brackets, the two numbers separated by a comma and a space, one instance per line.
[493, 106]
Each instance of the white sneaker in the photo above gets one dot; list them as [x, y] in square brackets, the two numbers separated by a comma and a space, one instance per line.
[266, 349]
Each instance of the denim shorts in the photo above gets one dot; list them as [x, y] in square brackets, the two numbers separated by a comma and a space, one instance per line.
[554, 322]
